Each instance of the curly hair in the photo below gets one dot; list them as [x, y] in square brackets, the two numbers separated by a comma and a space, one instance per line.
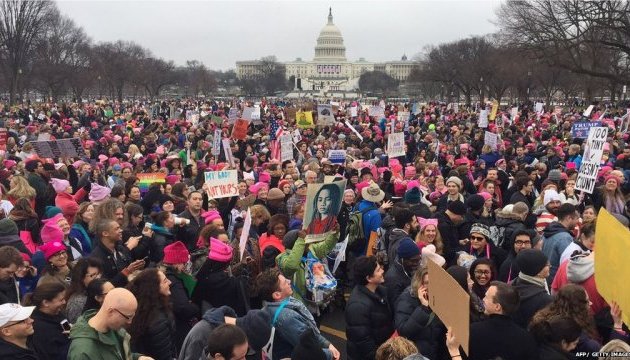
[396, 348]
[146, 288]
[572, 302]
[21, 188]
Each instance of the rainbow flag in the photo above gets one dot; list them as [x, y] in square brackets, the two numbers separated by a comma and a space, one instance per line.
[151, 178]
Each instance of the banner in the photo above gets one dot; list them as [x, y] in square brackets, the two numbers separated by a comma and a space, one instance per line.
[396, 145]
[304, 119]
[221, 184]
[325, 115]
[227, 149]
[337, 156]
[239, 131]
[286, 147]
[58, 148]
[491, 139]
[146, 179]
[483, 119]
[495, 108]
[580, 130]
[216, 142]
[323, 202]
[593, 151]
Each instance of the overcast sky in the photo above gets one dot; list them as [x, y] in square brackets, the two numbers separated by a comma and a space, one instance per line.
[219, 33]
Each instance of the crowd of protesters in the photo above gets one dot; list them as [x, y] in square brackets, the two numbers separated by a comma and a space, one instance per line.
[95, 264]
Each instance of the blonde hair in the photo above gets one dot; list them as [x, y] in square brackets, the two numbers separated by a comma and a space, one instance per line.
[439, 244]
[21, 188]
[416, 280]
[260, 211]
[396, 348]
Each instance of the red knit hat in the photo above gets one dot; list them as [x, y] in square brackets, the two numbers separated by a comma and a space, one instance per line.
[176, 253]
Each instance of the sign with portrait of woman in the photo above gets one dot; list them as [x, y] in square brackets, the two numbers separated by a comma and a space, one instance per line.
[323, 202]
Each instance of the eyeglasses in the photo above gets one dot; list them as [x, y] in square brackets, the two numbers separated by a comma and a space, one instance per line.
[482, 272]
[17, 323]
[61, 253]
[477, 238]
[123, 315]
[521, 242]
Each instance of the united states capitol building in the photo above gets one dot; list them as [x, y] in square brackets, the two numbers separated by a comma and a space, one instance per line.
[329, 73]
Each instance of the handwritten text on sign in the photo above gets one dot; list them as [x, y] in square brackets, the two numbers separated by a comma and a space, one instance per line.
[222, 184]
[591, 159]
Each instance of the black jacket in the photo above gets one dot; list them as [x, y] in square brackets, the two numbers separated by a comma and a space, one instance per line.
[14, 352]
[218, 288]
[157, 341]
[49, 342]
[533, 298]
[16, 242]
[157, 244]
[508, 225]
[420, 325]
[550, 352]
[368, 322]
[397, 280]
[450, 237]
[499, 336]
[113, 267]
[188, 234]
[9, 292]
[184, 311]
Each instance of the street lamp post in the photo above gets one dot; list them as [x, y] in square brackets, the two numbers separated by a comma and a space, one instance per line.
[529, 75]
[481, 97]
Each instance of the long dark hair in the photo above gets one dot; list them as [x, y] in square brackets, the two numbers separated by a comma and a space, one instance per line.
[22, 210]
[44, 291]
[94, 289]
[146, 288]
[78, 273]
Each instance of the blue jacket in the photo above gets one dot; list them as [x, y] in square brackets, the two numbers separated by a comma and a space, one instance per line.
[371, 220]
[556, 238]
[490, 158]
[292, 321]
[577, 159]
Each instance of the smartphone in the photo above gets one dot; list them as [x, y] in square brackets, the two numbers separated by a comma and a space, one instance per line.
[65, 325]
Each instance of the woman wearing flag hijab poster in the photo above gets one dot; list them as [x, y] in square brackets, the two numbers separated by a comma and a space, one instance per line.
[323, 202]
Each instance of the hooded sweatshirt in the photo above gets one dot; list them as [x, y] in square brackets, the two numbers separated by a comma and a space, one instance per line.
[580, 270]
[556, 238]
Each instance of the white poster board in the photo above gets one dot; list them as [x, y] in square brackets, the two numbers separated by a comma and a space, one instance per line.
[376, 111]
[396, 145]
[286, 147]
[483, 119]
[325, 115]
[354, 111]
[216, 142]
[221, 184]
[491, 139]
[587, 177]
[245, 233]
[229, 157]
[337, 156]
[588, 110]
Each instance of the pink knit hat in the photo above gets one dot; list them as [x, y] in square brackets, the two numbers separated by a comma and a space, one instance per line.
[410, 171]
[360, 186]
[51, 248]
[210, 216]
[51, 231]
[485, 196]
[219, 251]
[413, 183]
[257, 186]
[172, 179]
[99, 192]
[60, 185]
[176, 253]
[264, 177]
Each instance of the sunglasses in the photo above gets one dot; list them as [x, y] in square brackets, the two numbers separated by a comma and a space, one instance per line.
[477, 238]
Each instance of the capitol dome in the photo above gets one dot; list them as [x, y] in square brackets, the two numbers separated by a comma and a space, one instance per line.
[330, 46]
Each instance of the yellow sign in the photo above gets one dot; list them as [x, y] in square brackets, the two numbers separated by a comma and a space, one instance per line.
[612, 268]
[304, 119]
[495, 108]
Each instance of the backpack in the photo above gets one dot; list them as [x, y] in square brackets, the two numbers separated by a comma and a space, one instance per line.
[354, 230]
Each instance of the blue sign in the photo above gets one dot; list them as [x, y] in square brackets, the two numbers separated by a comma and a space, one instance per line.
[580, 130]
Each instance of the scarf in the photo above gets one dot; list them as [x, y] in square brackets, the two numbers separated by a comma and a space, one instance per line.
[534, 280]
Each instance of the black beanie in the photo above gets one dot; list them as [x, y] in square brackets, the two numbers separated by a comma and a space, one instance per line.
[257, 327]
[531, 261]
[457, 207]
[475, 202]
[460, 274]
[290, 238]
[8, 227]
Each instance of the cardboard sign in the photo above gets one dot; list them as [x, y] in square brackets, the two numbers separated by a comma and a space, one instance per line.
[227, 149]
[323, 202]
[580, 130]
[325, 115]
[216, 142]
[371, 244]
[495, 108]
[286, 146]
[304, 119]
[337, 156]
[491, 139]
[612, 267]
[592, 157]
[396, 145]
[58, 148]
[146, 179]
[221, 184]
[239, 131]
[483, 119]
[450, 302]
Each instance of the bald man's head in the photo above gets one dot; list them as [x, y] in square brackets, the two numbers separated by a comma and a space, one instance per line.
[119, 308]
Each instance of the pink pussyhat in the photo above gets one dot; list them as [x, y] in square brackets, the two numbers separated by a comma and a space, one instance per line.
[210, 216]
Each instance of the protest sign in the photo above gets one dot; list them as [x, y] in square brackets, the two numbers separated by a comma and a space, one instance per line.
[612, 267]
[483, 119]
[304, 119]
[192, 117]
[514, 113]
[239, 131]
[297, 137]
[325, 115]
[588, 110]
[403, 117]
[286, 147]
[354, 111]
[591, 159]
[495, 108]
[450, 302]
[58, 148]
[340, 251]
[232, 115]
[229, 157]
[247, 113]
[376, 111]
[354, 130]
[255, 116]
[217, 119]
[579, 130]
[337, 156]
[396, 145]
[371, 246]
[4, 135]
[221, 184]
[456, 107]
[539, 107]
[245, 233]
[146, 179]
[323, 202]
[491, 139]
[216, 142]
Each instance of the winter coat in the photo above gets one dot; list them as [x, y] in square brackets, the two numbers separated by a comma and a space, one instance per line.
[69, 204]
[30, 225]
[395, 235]
[551, 352]
[215, 287]
[161, 238]
[371, 222]
[397, 281]
[533, 298]
[81, 232]
[14, 352]
[499, 336]
[49, 342]
[508, 224]
[14, 241]
[556, 238]
[197, 337]
[420, 325]
[89, 344]
[113, 266]
[42, 197]
[185, 311]
[450, 237]
[497, 255]
[9, 292]
[157, 340]
[369, 322]
[188, 234]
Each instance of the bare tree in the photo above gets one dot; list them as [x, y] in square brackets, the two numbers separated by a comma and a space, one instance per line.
[21, 23]
[118, 64]
[154, 74]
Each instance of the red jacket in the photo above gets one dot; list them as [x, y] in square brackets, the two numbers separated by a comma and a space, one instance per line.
[69, 204]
